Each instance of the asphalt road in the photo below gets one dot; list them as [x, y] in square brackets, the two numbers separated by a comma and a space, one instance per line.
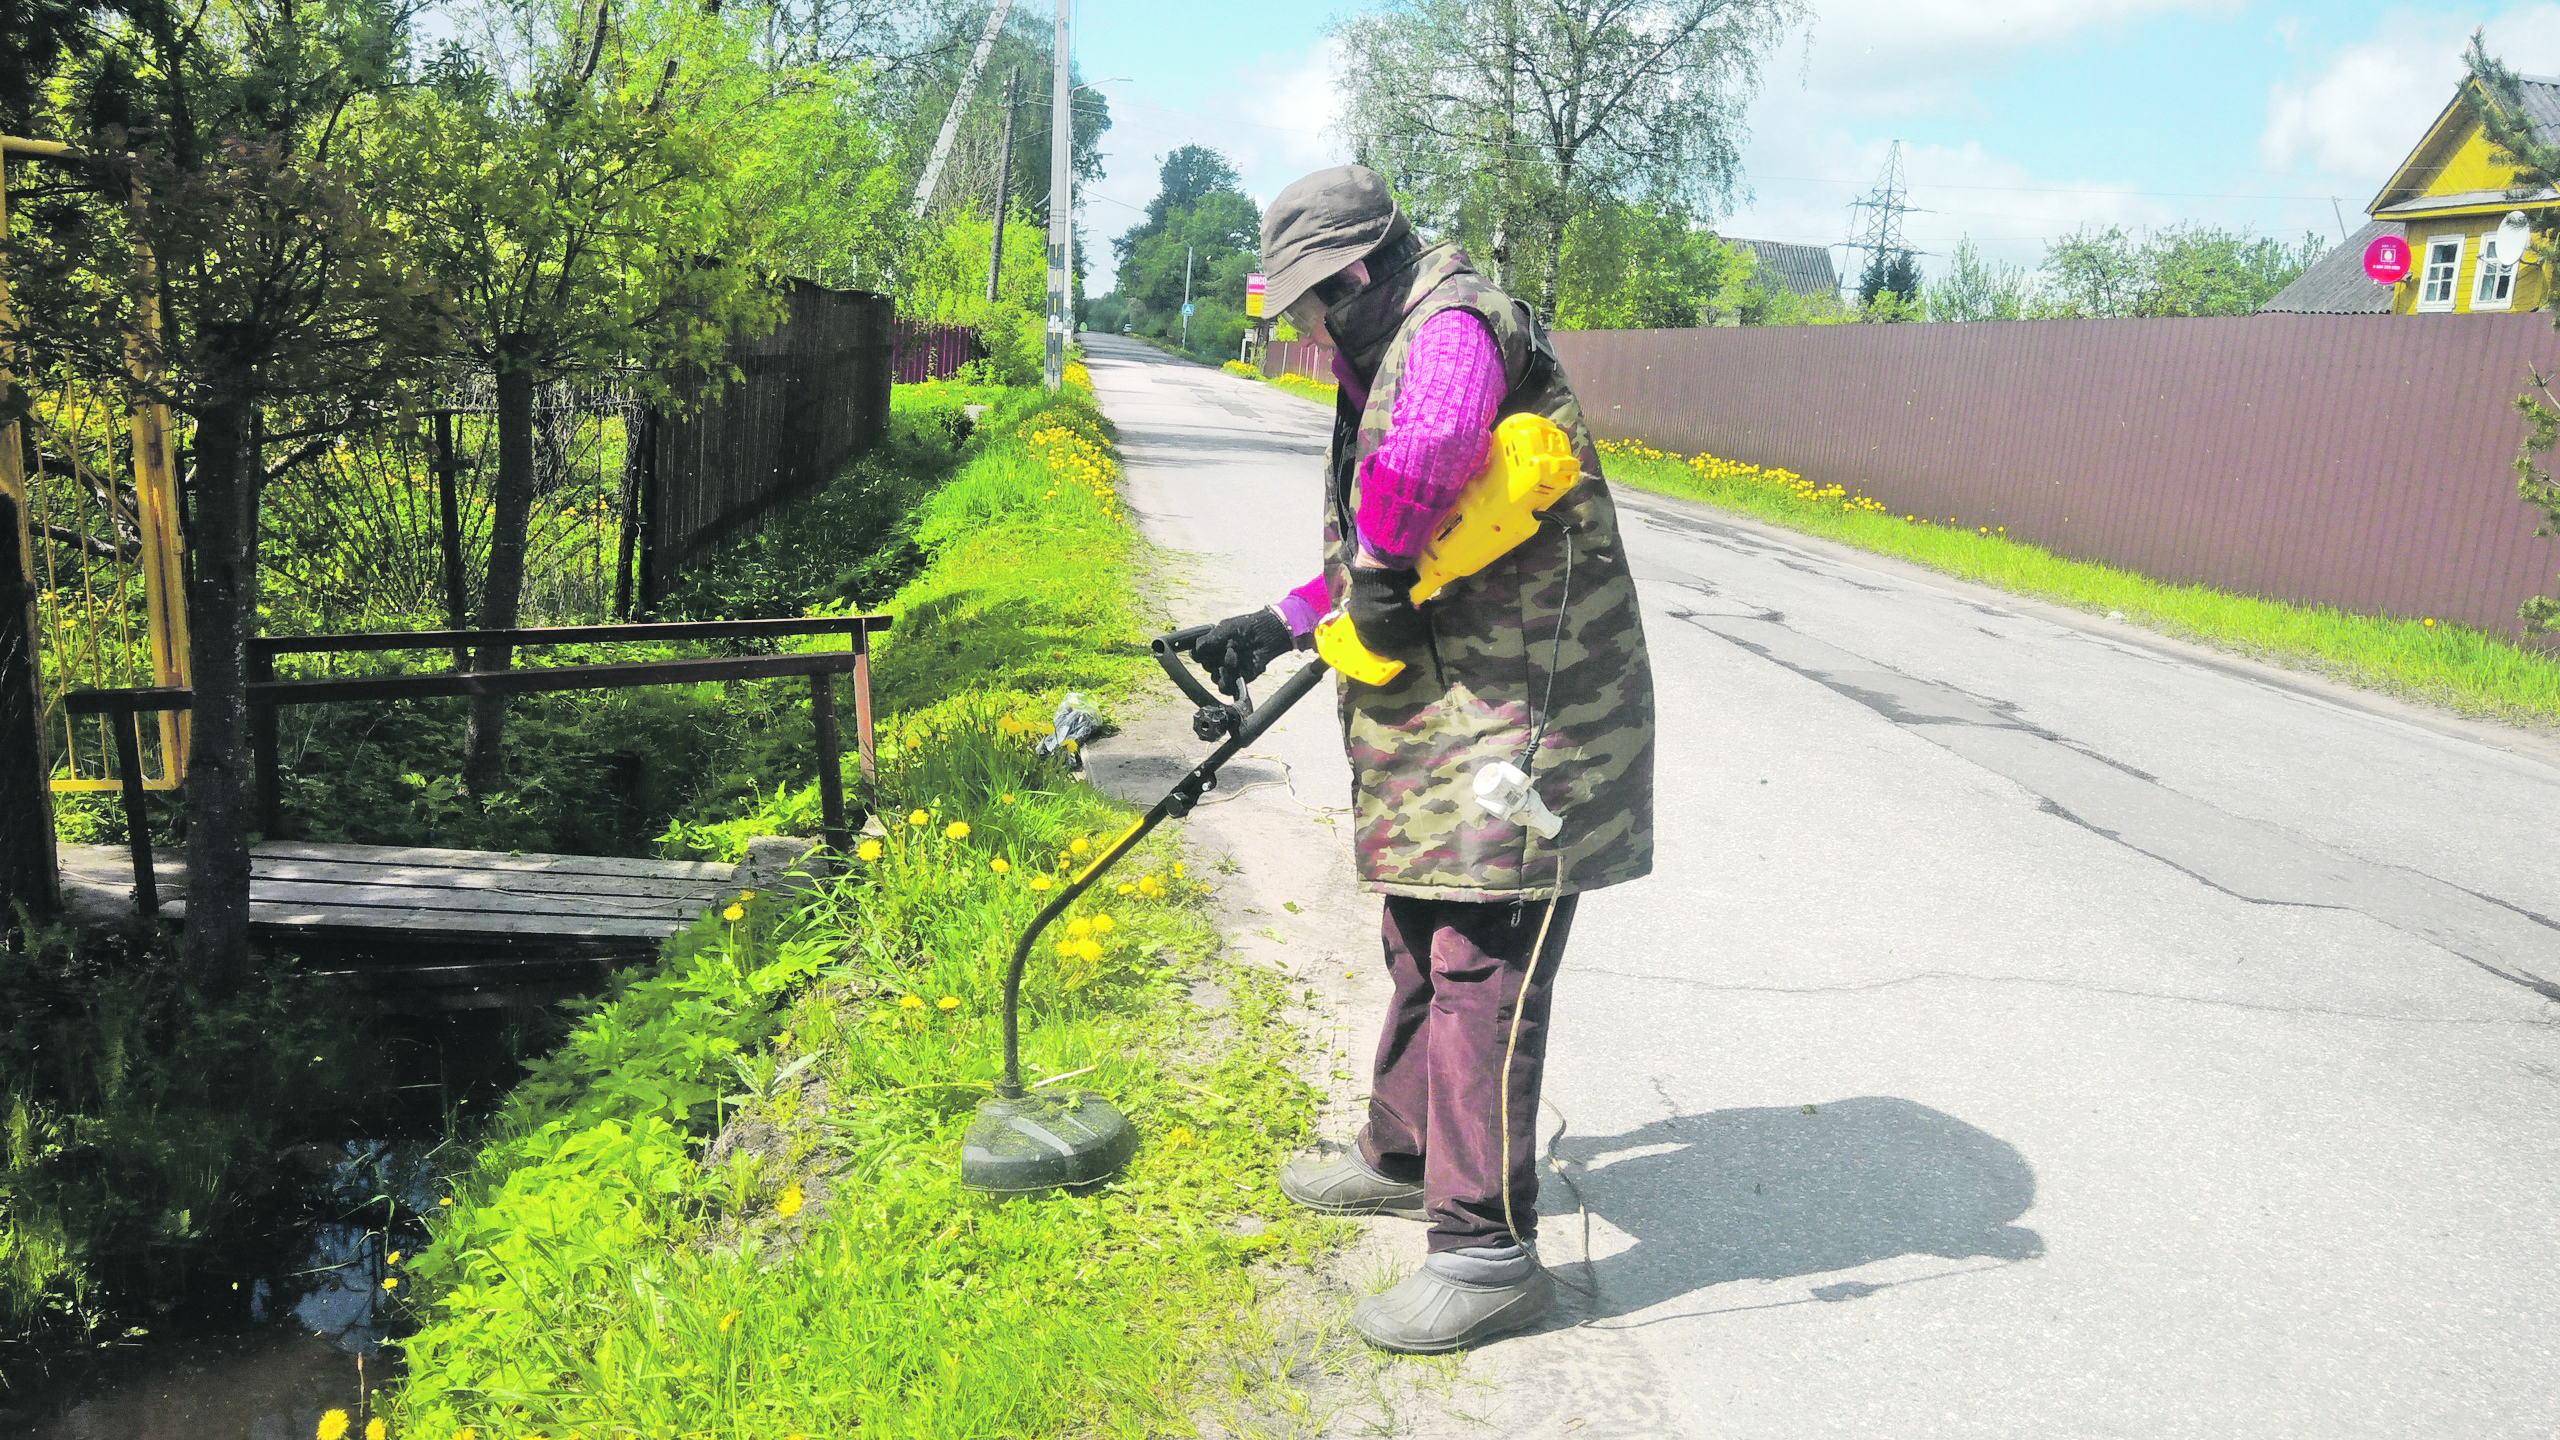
[2032, 1027]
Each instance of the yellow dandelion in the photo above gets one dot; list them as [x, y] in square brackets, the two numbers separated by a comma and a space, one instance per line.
[1128, 889]
[1008, 799]
[1180, 1137]
[1079, 927]
[1104, 924]
[390, 1282]
[1039, 882]
[1177, 869]
[1079, 846]
[1088, 950]
[333, 1425]
[733, 914]
[446, 1201]
[956, 830]
[789, 1204]
[376, 1428]
[728, 1320]
[947, 1002]
[745, 895]
[392, 1259]
[917, 817]
[2431, 622]
[999, 865]
[910, 1002]
[870, 850]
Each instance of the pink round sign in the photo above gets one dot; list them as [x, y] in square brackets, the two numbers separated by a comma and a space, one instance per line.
[2387, 259]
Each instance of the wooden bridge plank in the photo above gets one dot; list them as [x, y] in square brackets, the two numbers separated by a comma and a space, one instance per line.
[429, 924]
[492, 860]
[267, 870]
[680, 910]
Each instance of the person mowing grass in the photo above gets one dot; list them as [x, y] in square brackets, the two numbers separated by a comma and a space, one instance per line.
[1536, 661]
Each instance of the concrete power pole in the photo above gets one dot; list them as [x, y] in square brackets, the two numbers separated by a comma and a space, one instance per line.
[1004, 189]
[1062, 140]
[1186, 297]
[959, 102]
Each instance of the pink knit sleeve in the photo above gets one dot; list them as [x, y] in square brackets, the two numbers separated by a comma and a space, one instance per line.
[1436, 438]
[1301, 608]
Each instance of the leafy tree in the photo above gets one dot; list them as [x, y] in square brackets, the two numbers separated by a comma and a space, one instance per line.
[2185, 270]
[945, 279]
[2202, 270]
[220, 190]
[1976, 289]
[1645, 267]
[1502, 121]
[1200, 220]
[576, 213]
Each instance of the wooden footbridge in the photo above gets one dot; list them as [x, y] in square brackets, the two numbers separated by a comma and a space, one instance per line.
[461, 927]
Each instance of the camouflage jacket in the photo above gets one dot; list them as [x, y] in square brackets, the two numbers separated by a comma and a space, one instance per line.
[1550, 631]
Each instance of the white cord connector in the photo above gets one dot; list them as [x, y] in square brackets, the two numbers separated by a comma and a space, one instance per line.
[1504, 792]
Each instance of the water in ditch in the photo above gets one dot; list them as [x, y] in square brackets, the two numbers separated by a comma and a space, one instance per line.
[312, 1325]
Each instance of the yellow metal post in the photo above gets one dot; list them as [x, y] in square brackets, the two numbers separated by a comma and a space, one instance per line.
[155, 493]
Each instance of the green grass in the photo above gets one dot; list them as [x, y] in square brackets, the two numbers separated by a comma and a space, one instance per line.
[1298, 385]
[594, 1274]
[2417, 657]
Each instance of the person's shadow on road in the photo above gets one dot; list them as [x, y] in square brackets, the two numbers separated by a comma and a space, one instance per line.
[1772, 1194]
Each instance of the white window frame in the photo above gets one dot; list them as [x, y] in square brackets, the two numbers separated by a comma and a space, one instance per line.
[2491, 271]
[2427, 272]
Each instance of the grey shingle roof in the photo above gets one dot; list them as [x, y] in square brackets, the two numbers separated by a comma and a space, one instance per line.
[1805, 269]
[2542, 103]
[2335, 284]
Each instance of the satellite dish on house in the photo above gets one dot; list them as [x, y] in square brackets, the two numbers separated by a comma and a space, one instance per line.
[2514, 233]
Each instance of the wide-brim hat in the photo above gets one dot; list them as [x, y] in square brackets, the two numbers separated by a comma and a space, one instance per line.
[1319, 226]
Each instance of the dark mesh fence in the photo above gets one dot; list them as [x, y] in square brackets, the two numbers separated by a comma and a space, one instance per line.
[814, 396]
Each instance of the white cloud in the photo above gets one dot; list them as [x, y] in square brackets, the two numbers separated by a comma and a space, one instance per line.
[2362, 112]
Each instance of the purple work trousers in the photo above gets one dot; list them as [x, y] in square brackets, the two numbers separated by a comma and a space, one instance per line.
[1435, 1104]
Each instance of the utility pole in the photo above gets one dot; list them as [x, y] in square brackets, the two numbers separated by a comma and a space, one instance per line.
[1062, 139]
[1186, 297]
[1004, 188]
[959, 102]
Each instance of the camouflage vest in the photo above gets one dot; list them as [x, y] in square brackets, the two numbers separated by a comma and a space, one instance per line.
[1550, 630]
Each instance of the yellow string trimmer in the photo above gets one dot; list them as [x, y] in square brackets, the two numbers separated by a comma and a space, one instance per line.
[1026, 1141]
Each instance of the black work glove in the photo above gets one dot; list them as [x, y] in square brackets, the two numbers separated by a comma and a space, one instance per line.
[1383, 614]
[1236, 650]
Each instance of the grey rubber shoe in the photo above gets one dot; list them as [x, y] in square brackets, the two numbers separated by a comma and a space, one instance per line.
[1432, 1313]
[1344, 1184]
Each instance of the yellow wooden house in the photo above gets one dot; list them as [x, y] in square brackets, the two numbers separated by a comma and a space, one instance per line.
[2447, 199]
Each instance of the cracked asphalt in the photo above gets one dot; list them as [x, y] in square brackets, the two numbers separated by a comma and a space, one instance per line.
[2033, 1026]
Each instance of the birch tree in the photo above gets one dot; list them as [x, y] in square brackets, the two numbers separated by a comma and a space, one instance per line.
[1501, 121]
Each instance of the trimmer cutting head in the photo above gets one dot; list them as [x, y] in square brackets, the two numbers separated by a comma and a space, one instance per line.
[1044, 1142]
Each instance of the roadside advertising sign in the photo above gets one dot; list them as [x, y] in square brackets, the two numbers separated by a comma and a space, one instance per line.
[2387, 259]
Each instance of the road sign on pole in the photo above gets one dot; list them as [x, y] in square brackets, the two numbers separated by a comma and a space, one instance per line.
[1253, 297]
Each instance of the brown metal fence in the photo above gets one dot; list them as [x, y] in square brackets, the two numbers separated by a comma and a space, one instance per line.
[814, 396]
[923, 350]
[2355, 461]
[1307, 359]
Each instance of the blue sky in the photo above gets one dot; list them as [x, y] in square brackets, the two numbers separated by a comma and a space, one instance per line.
[2021, 119]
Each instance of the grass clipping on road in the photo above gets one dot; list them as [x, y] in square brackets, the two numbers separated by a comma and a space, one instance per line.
[2423, 659]
[608, 1268]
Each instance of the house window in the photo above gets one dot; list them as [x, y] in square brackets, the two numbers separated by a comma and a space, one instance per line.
[2435, 285]
[2495, 286]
